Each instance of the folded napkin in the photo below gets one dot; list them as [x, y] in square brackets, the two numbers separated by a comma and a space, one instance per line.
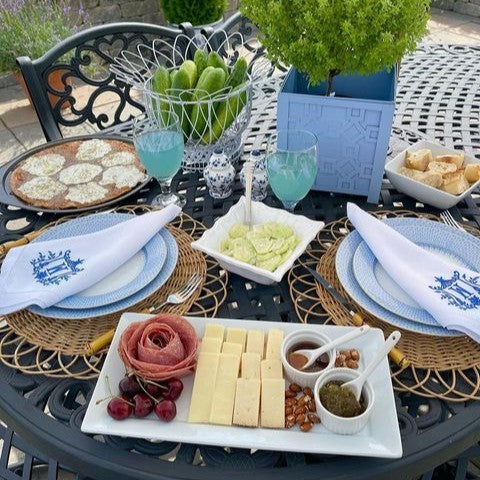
[450, 293]
[44, 273]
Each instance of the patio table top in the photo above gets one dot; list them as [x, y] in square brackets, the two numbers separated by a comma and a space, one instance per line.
[436, 98]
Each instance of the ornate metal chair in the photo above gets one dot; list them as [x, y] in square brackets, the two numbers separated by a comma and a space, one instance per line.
[86, 81]
[83, 60]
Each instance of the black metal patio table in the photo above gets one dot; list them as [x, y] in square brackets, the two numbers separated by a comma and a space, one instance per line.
[437, 97]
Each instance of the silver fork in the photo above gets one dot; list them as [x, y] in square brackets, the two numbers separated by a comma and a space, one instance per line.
[182, 294]
[448, 219]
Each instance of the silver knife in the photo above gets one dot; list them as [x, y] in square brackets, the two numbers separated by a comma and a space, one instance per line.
[395, 354]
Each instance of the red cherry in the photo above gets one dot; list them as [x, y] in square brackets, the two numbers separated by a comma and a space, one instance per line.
[154, 390]
[129, 385]
[143, 405]
[175, 388]
[118, 408]
[166, 410]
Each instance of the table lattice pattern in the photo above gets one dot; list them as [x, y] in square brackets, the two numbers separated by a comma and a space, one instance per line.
[437, 98]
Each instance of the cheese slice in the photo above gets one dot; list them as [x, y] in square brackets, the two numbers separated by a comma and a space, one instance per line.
[86, 192]
[42, 188]
[93, 149]
[272, 413]
[237, 335]
[122, 176]
[234, 348]
[247, 402]
[214, 330]
[202, 393]
[224, 393]
[255, 342]
[44, 165]
[211, 344]
[79, 173]
[272, 369]
[274, 342]
[250, 365]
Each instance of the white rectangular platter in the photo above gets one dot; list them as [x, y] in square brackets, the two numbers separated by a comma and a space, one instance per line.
[380, 438]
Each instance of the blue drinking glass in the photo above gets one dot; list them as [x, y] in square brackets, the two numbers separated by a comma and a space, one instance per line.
[159, 144]
[291, 165]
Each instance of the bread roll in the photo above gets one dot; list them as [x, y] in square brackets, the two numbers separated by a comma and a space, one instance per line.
[441, 167]
[455, 159]
[433, 179]
[455, 183]
[472, 172]
[418, 160]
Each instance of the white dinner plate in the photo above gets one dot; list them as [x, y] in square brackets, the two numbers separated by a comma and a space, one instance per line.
[451, 244]
[380, 438]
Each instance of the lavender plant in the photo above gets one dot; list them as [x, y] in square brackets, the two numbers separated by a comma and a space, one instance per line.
[32, 27]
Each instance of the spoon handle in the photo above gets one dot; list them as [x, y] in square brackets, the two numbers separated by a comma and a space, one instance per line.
[248, 192]
[314, 354]
[390, 342]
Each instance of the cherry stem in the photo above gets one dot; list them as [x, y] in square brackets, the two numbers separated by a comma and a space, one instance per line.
[146, 393]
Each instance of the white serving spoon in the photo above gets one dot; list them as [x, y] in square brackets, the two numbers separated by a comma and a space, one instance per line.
[312, 355]
[356, 385]
[248, 168]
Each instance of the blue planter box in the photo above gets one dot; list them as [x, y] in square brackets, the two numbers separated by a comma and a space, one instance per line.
[353, 128]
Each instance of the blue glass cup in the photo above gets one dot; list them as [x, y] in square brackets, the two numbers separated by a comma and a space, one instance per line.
[159, 144]
[291, 165]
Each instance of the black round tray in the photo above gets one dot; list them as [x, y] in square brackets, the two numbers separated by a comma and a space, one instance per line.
[9, 198]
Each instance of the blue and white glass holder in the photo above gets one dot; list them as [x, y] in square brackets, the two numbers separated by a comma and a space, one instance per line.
[353, 127]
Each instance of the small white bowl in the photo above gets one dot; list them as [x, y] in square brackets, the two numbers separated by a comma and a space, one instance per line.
[421, 192]
[209, 242]
[305, 379]
[334, 423]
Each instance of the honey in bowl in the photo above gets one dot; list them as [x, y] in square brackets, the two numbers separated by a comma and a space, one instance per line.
[297, 360]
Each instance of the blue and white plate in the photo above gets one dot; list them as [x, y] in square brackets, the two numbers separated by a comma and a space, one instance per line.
[451, 244]
[149, 289]
[344, 267]
[129, 278]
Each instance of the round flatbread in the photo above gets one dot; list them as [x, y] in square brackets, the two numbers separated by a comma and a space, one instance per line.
[99, 180]
[122, 176]
[93, 149]
[86, 193]
[118, 158]
[44, 165]
[42, 188]
[79, 173]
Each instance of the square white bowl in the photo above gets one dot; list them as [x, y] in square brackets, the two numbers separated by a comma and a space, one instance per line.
[421, 192]
[209, 242]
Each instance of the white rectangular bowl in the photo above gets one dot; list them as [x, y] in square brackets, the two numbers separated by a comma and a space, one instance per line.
[421, 192]
[209, 242]
[379, 438]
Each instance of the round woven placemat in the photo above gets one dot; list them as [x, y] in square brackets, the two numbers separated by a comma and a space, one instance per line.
[54, 347]
[441, 367]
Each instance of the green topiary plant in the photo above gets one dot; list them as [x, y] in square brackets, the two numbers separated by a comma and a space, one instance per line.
[322, 38]
[197, 12]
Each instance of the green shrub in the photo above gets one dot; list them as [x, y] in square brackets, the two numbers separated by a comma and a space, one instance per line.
[197, 12]
[32, 27]
[322, 38]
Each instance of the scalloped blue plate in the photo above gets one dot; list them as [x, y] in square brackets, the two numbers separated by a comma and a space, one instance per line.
[449, 243]
[164, 274]
[344, 268]
[129, 278]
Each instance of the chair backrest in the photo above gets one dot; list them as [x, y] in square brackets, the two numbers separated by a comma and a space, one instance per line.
[71, 85]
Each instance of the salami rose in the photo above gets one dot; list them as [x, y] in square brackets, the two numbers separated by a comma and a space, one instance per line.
[159, 348]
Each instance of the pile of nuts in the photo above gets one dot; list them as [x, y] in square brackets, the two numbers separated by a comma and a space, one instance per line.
[348, 358]
[300, 411]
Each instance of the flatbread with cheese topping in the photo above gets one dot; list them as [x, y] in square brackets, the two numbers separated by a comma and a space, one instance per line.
[78, 174]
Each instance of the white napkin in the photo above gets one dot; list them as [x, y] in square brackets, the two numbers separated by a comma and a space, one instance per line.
[44, 273]
[451, 294]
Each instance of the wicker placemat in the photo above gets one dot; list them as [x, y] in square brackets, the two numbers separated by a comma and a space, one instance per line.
[53, 347]
[441, 367]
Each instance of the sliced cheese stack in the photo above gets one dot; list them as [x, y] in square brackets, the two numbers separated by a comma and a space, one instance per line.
[239, 379]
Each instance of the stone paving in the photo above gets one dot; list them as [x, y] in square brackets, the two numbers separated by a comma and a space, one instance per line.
[20, 130]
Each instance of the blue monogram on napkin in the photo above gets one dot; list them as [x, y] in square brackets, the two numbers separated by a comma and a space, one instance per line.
[460, 291]
[51, 268]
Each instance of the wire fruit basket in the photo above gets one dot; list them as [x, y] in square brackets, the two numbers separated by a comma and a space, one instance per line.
[209, 119]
